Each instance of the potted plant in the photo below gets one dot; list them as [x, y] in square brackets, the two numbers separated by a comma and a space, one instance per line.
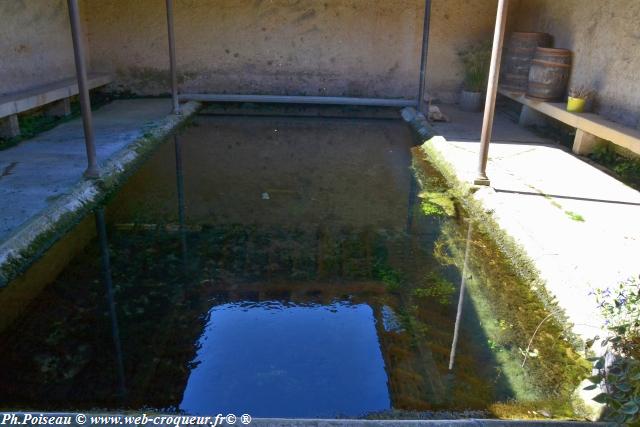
[476, 60]
[578, 97]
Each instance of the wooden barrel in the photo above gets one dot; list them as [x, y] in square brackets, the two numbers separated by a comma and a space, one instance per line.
[549, 74]
[516, 59]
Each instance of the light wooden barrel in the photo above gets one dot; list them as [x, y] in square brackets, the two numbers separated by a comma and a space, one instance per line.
[516, 59]
[549, 74]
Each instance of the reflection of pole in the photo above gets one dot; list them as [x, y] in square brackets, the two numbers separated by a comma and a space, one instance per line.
[106, 277]
[180, 191]
[413, 195]
[408, 246]
[456, 328]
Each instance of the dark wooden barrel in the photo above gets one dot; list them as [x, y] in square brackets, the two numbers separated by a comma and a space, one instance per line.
[516, 59]
[549, 74]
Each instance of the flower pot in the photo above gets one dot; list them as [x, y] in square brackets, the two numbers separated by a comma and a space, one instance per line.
[470, 101]
[575, 105]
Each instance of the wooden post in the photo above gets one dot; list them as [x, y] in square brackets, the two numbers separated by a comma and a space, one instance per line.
[492, 89]
[584, 143]
[10, 126]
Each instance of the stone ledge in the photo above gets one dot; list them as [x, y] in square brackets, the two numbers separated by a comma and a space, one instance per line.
[33, 238]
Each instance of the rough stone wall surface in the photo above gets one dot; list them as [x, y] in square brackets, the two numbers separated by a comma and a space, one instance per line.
[455, 25]
[303, 47]
[605, 39]
[35, 43]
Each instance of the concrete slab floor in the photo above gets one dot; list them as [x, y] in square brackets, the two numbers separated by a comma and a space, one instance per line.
[580, 226]
[37, 172]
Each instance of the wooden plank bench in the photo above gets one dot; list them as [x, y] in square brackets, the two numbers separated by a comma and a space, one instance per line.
[56, 93]
[589, 127]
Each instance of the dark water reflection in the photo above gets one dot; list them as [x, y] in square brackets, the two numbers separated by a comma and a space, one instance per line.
[277, 267]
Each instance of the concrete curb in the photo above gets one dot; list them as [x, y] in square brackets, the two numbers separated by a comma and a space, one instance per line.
[81, 419]
[283, 422]
[33, 238]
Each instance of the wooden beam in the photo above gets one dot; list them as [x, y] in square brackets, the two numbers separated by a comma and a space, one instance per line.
[589, 123]
[40, 95]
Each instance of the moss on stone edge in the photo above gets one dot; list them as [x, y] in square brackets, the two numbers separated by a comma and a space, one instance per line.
[519, 261]
[515, 256]
[115, 173]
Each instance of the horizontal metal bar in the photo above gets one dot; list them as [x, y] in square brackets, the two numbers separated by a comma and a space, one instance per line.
[278, 99]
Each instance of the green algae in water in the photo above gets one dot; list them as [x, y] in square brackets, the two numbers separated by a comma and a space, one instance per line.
[437, 203]
[510, 309]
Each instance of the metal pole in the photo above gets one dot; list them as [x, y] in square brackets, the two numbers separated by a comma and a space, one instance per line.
[106, 277]
[172, 57]
[425, 49]
[492, 89]
[93, 170]
[456, 328]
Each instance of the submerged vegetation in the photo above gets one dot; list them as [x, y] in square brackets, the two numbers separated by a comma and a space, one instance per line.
[437, 203]
[437, 288]
[512, 359]
[523, 325]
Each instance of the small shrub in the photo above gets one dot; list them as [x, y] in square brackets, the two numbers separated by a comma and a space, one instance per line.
[619, 368]
[627, 168]
[476, 60]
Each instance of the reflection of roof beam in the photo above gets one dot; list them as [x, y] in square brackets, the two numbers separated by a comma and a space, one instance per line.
[302, 292]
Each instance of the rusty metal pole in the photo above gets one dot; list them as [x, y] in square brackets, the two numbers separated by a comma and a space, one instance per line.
[93, 170]
[492, 89]
[423, 57]
[172, 57]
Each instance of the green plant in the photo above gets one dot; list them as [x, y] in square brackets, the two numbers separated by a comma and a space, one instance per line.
[476, 60]
[619, 367]
[574, 216]
[627, 168]
[603, 153]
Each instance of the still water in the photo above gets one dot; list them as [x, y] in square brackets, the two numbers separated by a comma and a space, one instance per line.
[281, 267]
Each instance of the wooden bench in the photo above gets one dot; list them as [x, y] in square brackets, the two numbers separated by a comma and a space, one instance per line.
[56, 93]
[589, 127]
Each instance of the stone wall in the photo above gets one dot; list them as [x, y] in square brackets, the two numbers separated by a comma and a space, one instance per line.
[35, 43]
[304, 47]
[605, 39]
